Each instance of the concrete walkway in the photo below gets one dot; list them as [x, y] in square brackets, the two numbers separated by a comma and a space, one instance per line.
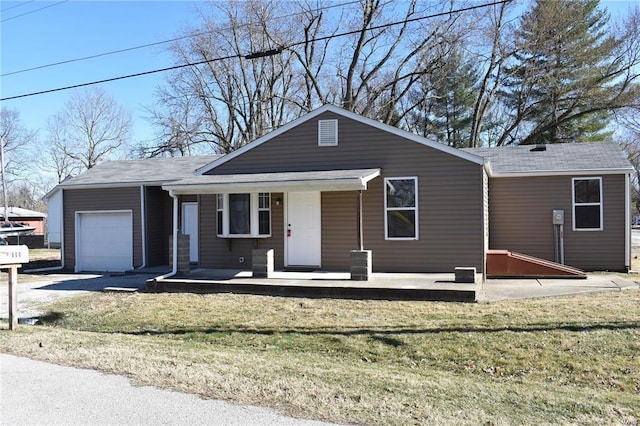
[39, 393]
[510, 289]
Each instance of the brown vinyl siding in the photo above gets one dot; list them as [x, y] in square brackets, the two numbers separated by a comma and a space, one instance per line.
[449, 225]
[521, 220]
[159, 222]
[225, 252]
[107, 199]
[359, 147]
[450, 196]
[339, 235]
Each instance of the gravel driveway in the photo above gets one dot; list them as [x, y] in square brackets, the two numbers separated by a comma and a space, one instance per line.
[35, 291]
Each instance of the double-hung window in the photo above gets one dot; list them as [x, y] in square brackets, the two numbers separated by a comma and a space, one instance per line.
[244, 215]
[587, 204]
[401, 208]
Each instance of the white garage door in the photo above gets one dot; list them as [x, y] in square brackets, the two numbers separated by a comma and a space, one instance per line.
[104, 241]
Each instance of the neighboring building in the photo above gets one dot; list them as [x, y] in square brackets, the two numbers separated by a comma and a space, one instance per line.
[26, 217]
[333, 181]
[54, 218]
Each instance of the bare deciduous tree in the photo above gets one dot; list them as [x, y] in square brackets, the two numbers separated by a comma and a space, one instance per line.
[494, 31]
[91, 128]
[225, 103]
[14, 140]
[268, 64]
[54, 154]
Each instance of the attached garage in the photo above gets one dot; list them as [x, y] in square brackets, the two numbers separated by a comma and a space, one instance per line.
[104, 241]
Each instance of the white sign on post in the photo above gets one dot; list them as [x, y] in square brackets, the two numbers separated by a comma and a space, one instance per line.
[10, 258]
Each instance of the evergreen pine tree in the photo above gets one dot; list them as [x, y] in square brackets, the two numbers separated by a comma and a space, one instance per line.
[447, 97]
[560, 74]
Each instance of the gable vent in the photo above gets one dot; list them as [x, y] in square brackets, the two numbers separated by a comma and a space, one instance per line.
[327, 132]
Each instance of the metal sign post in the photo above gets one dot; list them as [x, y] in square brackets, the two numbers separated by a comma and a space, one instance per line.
[12, 258]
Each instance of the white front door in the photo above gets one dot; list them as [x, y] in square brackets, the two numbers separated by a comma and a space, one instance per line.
[190, 227]
[302, 230]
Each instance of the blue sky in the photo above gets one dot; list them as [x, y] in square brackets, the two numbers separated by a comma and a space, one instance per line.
[72, 29]
[76, 29]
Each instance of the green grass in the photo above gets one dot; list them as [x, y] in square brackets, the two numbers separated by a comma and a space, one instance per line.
[554, 360]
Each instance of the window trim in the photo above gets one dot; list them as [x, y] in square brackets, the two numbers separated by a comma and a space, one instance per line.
[414, 208]
[254, 205]
[574, 204]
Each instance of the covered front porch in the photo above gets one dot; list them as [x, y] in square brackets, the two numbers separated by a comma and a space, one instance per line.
[294, 214]
[321, 284]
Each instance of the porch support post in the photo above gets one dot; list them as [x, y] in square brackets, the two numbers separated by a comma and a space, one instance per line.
[262, 263]
[360, 260]
[359, 220]
[360, 265]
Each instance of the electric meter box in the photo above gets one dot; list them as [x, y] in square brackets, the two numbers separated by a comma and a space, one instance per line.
[558, 217]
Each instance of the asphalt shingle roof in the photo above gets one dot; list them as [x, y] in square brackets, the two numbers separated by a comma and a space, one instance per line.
[556, 158]
[19, 212]
[511, 160]
[148, 170]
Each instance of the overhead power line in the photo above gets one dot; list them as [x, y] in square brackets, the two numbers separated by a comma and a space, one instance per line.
[157, 43]
[34, 11]
[17, 5]
[252, 55]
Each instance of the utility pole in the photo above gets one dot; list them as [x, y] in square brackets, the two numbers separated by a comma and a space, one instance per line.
[4, 182]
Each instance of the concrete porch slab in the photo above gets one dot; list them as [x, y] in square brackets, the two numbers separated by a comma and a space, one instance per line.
[440, 287]
[386, 286]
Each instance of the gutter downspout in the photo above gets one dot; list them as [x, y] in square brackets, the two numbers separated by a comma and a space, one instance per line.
[174, 267]
[627, 221]
[143, 230]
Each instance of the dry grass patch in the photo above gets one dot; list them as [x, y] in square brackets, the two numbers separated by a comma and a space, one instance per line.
[36, 255]
[563, 360]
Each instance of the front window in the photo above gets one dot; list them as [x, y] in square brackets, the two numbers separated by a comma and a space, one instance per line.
[240, 214]
[244, 215]
[587, 204]
[220, 213]
[401, 208]
[264, 213]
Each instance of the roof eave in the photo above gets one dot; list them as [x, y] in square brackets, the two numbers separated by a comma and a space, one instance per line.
[113, 185]
[575, 172]
[352, 183]
[347, 184]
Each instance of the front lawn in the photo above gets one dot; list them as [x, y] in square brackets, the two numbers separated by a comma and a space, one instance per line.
[553, 360]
